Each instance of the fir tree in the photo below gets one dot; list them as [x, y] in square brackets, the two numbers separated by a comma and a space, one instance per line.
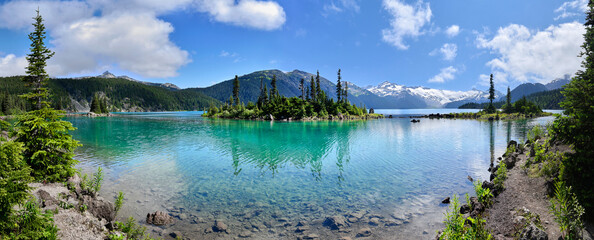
[49, 147]
[36, 76]
[318, 88]
[104, 105]
[490, 107]
[14, 177]
[338, 87]
[302, 88]
[95, 105]
[274, 90]
[346, 92]
[508, 105]
[313, 89]
[236, 90]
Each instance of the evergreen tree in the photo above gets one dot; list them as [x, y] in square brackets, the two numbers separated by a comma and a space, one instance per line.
[346, 92]
[260, 101]
[95, 104]
[577, 128]
[104, 105]
[302, 88]
[49, 147]
[490, 107]
[14, 177]
[338, 87]
[274, 90]
[36, 76]
[508, 108]
[319, 90]
[313, 89]
[236, 90]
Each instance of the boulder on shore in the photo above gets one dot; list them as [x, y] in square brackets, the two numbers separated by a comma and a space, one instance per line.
[532, 232]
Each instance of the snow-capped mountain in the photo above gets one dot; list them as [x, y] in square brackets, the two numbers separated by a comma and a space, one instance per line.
[169, 86]
[432, 98]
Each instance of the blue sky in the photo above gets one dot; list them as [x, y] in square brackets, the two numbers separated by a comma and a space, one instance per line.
[440, 44]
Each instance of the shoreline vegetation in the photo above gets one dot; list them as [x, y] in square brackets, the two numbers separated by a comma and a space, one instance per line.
[313, 104]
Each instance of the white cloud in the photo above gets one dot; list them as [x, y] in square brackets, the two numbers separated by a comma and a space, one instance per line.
[96, 35]
[11, 65]
[264, 15]
[499, 79]
[444, 75]
[407, 21]
[135, 42]
[539, 56]
[449, 51]
[18, 14]
[453, 31]
[571, 9]
[340, 6]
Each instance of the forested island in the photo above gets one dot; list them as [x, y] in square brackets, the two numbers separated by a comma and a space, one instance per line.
[312, 104]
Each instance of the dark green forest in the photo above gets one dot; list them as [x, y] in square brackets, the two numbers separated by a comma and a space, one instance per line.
[544, 100]
[121, 94]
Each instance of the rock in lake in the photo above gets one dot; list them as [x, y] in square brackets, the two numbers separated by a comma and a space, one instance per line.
[364, 232]
[159, 218]
[100, 208]
[336, 222]
[219, 226]
[446, 200]
[374, 222]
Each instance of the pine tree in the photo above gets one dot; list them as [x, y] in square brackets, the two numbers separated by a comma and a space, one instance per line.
[36, 76]
[104, 105]
[313, 90]
[577, 128]
[260, 101]
[49, 147]
[95, 104]
[490, 107]
[346, 92]
[236, 90]
[338, 87]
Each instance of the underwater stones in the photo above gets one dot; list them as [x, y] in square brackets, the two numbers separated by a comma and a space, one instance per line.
[336, 222]
[159, 218]
[364, 232]
[245, 234]
[310, 236]
[391, 223]
[301, 229]
[301, 223]
[374, 221]
[220, 226]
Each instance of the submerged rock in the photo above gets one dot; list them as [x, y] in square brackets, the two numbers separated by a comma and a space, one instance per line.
[374, 222]
[446, 200]
[220, 226]
[159, 218]
[336, 222]
[364, 232]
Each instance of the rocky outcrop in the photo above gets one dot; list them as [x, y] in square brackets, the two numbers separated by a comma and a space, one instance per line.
[159, 218]
[100, 208]
[532, 232]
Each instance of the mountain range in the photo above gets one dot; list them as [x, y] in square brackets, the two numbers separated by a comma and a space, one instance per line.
[128, 94]
[384, 95]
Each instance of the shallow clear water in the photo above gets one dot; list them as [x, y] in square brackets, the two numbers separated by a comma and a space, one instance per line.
[219, 169]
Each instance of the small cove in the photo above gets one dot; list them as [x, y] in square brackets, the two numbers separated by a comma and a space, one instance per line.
[256, 173]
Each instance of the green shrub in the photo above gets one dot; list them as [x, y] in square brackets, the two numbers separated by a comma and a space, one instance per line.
[567, 211]
[132, 230]
[483, 195]
[457, 228]
[501, 176]
[30, 223]
[535, 133]
[119, 202]
[93, 185]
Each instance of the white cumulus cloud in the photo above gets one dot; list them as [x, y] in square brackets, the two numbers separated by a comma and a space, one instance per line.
[444, 75]
[571, 9]
[11, 65]
[135, 42]
[539, 56]
[449, 51]
[96, 35]
[453, 31]
[407, 21]
[264, 15]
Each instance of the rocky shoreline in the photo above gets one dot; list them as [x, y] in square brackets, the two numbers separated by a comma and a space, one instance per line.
[521, 210]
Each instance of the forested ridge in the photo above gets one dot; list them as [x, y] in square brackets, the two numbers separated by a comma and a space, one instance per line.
[121, 94]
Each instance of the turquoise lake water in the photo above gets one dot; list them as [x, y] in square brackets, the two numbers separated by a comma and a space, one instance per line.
[222, 169]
